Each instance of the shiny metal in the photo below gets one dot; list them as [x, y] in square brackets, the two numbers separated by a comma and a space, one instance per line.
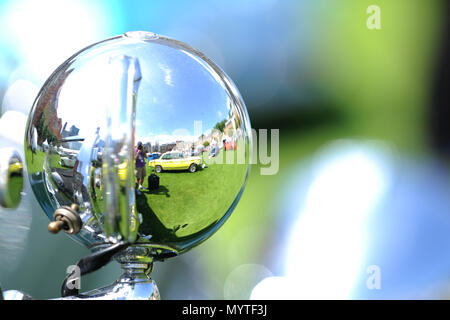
[67, 219]
[88, 117]
[11, 178]
[56, 226]
[16, 295]
[127, 287]
[118, 170]
[134, 284]
[82, 134]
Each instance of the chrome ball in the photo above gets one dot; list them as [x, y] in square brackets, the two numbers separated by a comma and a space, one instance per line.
[147, 137]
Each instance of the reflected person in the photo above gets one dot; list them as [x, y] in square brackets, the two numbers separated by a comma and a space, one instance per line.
[140, 171]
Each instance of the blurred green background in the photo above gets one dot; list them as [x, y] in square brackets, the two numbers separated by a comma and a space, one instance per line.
[312, 69]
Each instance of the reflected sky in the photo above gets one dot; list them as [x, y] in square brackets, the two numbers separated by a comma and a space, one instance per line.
[173, 86]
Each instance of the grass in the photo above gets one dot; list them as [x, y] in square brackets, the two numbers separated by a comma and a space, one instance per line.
[34, 161]
[183, 206]
[54, 160]
[15, 185]
[187, 203]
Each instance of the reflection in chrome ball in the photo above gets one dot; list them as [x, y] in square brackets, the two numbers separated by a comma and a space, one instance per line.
[11, 178]
[147, 137]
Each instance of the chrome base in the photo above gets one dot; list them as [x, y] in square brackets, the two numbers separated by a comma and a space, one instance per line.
[15, 295]
[133, 284]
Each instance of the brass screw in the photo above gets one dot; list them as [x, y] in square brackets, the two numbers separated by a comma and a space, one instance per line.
[56, 226]
[67, 219]
[74, 207]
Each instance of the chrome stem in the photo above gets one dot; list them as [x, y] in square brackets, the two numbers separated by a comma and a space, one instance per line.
[133, 284]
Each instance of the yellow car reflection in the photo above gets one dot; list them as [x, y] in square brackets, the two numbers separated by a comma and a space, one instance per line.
[122, 172]
[15, 168]
[175, 161]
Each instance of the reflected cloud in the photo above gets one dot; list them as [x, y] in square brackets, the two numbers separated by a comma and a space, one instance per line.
[167, 74]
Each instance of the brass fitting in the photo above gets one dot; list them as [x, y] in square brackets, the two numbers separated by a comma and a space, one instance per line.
[66, 219]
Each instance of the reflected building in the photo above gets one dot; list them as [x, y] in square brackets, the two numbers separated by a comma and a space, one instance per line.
[183, 146]
[49, 126]
[148, 147]
[73, 131]
[229, 127]
[234, 122]
[155, 147]
[166, 147]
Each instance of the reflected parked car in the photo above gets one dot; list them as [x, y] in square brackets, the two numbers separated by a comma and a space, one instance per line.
[68, 162]
[229, 145]
[175, 161]
[15, 168]
[154, 156]
[122, 171]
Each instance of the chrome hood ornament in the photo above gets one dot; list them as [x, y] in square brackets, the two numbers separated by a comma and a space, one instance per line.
[84, 155]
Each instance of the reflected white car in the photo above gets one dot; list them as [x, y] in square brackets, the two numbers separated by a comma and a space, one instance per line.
[68, 162]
